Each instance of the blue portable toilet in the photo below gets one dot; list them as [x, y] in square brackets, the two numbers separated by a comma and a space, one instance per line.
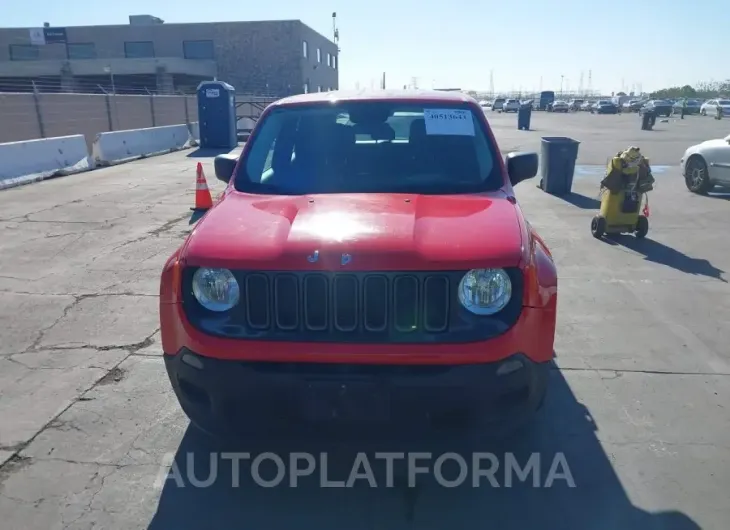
[217, 115]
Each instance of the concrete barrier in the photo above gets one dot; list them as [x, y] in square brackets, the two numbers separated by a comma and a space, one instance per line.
[35, 160]
[120, 146]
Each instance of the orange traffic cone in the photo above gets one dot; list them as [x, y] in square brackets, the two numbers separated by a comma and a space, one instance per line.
[203, 199]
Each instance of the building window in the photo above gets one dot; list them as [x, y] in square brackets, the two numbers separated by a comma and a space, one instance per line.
[334, 62]
[139, 49]
[319, 55]
[306, 88]
[305, 49]
[329, 59]
[24, 52]
[81, 50]
[198, 49]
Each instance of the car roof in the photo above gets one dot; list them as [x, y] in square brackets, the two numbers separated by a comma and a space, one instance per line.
[376, 95]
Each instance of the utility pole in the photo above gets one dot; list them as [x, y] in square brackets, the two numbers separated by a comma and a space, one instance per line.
[590, 82]
[561, 84]
[580, 84]
[491, 83]
[335, 31]
[383, 83]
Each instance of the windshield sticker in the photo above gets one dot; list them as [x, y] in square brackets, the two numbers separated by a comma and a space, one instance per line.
[451, 122]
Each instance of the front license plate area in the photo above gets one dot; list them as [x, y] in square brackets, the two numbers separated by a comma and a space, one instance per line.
[325, 401]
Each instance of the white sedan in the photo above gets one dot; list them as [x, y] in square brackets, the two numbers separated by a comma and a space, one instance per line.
[709, 108]
[706, 165]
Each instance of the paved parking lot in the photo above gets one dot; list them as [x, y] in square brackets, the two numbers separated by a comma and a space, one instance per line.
[638, 403]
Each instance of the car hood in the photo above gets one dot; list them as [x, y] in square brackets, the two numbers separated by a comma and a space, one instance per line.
[714, 143]
[377, 231]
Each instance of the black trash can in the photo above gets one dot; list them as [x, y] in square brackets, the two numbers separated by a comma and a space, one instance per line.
[558, 164]
[523, 117]
[648, 119]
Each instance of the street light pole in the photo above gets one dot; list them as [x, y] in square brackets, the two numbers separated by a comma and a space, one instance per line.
[561, 85]
[108, 69]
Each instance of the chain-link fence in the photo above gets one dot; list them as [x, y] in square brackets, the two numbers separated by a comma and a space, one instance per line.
[40, 110]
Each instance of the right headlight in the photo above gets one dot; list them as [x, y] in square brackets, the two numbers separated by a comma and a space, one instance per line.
[485, 291]
[216, 289]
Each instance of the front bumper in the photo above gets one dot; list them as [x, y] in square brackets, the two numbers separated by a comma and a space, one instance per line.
[240, 396]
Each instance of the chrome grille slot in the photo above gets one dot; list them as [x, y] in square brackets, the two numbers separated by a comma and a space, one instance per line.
[315, 302]
[258, 301]
[286, 301]
[405, 304]
[375, 303]
[345, 302]
[436, 304]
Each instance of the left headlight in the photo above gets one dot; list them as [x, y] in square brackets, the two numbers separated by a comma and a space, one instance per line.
[485, 291]
[216, 289]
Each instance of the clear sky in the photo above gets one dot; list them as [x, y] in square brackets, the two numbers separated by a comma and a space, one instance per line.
[456, 43]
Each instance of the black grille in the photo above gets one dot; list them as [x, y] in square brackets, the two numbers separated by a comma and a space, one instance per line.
[351, 307]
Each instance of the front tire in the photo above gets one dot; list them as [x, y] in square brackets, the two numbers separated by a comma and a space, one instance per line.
[598, 226]
[642, 227]
[696, 177]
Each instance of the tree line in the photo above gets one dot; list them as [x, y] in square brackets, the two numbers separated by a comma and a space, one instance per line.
[702, 90]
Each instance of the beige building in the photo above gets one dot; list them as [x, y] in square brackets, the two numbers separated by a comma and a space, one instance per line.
[276, 58]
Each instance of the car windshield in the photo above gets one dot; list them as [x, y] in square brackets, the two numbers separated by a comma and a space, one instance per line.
[370, 147]
[724, 102]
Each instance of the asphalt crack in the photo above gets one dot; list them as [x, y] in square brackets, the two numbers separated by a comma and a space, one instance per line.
[17, 461]
[618, 373]
[165, 228]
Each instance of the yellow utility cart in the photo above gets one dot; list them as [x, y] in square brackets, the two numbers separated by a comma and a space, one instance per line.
[623, 194]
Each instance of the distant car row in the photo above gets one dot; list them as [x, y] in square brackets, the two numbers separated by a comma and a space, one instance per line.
[605, 106]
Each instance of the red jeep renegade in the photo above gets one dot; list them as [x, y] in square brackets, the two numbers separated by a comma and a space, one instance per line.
[368, 261]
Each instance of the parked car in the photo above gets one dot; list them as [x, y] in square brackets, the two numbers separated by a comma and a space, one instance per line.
[605, 107]
[709, 108]
[315, 287]
[633, 105]
[485, 105]
[706, 165]
[660, 106]
[560, 106]
[498, 104]
[575, 104]
[511, 105]
[587, 105]
[693, 107]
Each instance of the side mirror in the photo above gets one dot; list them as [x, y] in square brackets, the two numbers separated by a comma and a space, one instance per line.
[224, 166]
[521, 166]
